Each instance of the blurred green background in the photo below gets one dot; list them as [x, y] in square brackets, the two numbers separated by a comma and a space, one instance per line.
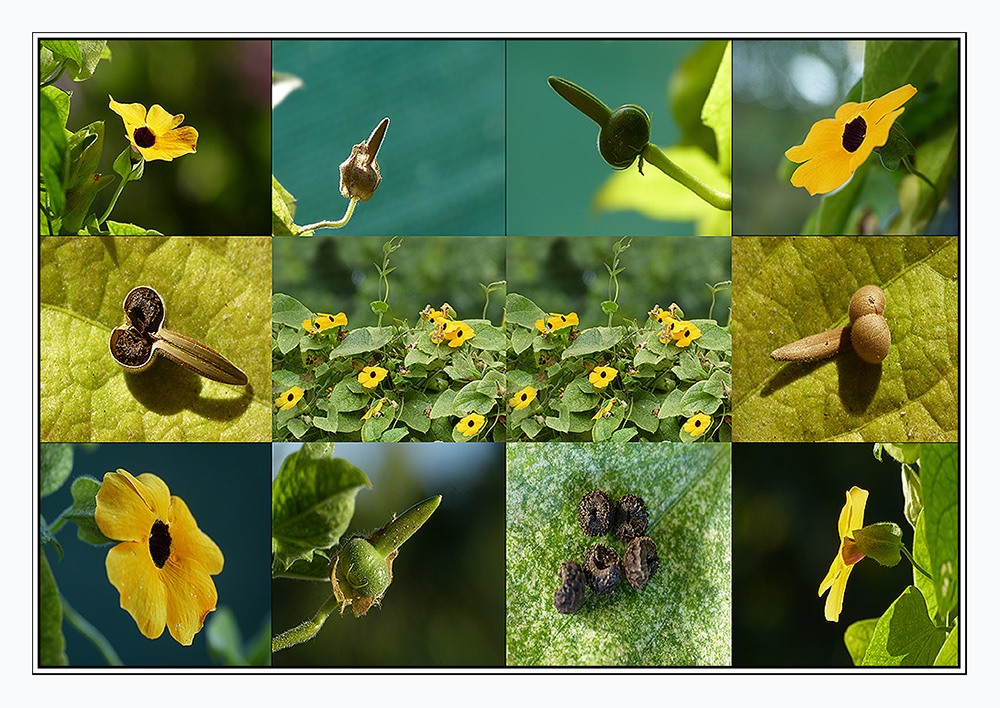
[442, 160]
[780, 88]
[226, 488]
[445, 606]
[337, 274]
[561, 274]
[223, 88]
[553, 166]
[786, 502]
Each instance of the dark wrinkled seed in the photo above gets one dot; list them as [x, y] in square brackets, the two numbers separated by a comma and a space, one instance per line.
[569, 595]
[603, 568]
[595, 513]
[641, 561]
[631, 518]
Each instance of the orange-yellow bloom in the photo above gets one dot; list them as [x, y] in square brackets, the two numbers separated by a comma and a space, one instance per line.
[697, 424]
[523, 398]
[289, 398]
[325, 321]
[371, 376]
[684, 333]
[470, 424]
[852, 518]
[154, 134]
[601, 376]
[457, 333]
[164, 566]
[557, 321]
[605, 410]
[836, 147]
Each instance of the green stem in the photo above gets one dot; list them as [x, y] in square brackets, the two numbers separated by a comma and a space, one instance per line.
[909, 166]
[330, 224]
[720, 200]
[307, 630]
[90, 632]
[114, 200]
[915, 564]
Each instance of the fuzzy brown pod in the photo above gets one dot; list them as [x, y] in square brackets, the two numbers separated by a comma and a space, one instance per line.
[359, 173]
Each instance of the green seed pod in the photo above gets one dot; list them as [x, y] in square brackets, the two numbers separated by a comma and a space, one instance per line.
[363, 568]
[624, 136]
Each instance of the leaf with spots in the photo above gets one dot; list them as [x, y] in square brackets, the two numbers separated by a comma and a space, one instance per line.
[216, 290]
[786, 288]
[682, 617]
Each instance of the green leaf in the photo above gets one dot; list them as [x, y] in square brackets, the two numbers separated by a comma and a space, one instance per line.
[282, 211]
[857, 637]
[52, 146]
[216, 290]
[487, 337]
[225, 641]
[948, 656]
[794, 287]
[55, 462]
[312, 503]
[363, 341]
[51, 643]
[682, 617]
[522, 311]
[594, 341]
[939, 484]
[717, 113]
[81, 513]
[880, 542]
[288, 311]
[904, 635]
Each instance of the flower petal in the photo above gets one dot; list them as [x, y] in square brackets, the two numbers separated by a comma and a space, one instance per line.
[132, 114]
[142, 593]
[190, 596]
[188, 542]
[161, 122]
[127, 507]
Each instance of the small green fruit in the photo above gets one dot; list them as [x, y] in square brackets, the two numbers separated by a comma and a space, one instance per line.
[624, 136]
[363, 568]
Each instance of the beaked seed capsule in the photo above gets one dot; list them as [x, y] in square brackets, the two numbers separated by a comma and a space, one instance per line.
[624, 136]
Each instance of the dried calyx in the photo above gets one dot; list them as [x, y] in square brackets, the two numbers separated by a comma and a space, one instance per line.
[868, 334]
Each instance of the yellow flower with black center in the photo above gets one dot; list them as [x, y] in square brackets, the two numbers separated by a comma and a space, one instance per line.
[697, 424]
[458, 333]
[684, 333]
[325, 321]
[601, 376]
[432, 315]
[155, 134]
[852, 518]
[836, 147]
[470, 424]
[523, 398]
[164, 565]
[289, 398]
[371, 376]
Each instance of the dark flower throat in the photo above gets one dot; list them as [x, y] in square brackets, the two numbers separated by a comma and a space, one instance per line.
[159, 543]
[854, 134]
[144, 137]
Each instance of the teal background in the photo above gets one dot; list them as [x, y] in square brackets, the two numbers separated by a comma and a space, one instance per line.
[442, 159]
[445, 606]
[227, 489]
[553, 166]
[223, 88]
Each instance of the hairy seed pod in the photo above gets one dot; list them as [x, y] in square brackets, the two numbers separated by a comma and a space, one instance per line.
[624, 136]
[815, 346]
[640, 561]
[866, 300]
[603, 568]
[595, 513]
[569, 595]
[871, 338]
[363, 568]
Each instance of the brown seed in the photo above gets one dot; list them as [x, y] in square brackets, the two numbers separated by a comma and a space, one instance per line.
[815, 346]
[871, 338]
[595, 513]
[569, 595]
[603, 568]
[641, 561]
[631, 518]
[867, 299]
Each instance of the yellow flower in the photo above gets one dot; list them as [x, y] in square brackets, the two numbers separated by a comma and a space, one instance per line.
[154, 134]
[164, 566]
[289, 398]
[605, 410]
[523, 398]
[852, 518]
[556, 321]
[601, 376]
[836, 147]
[457, 333]
[370, 376]
[684, 333]
[432, 315]
[325, 321]
[470, 424]
[697, 424]
[374, 411]
[661, 316]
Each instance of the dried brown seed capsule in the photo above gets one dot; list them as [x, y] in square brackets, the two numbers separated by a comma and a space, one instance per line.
[870, 337]
[815, 346]
[595, 513]
[866, 300]
[569, 595]
[641, 561]
[631, 518]
[603, 568]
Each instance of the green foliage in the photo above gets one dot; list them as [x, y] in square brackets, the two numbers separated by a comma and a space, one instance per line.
[51, 642]
[683, 615]
[658, 385]
[701, 91]
[794, 287]
[312, 502]
[433, 380]
[55, 462]
[226, 645]
[215, 290]
[921, 627]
